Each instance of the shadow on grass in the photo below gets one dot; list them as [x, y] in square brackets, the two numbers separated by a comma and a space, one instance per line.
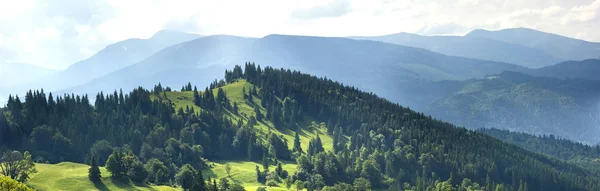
[122, 183]
[100, 185]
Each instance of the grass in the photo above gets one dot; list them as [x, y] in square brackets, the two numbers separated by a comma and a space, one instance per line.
[74, 176]
[244, 173]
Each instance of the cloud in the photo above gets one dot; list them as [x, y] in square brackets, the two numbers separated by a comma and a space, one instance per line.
[335, 8]
[56, 34]
[583, 13]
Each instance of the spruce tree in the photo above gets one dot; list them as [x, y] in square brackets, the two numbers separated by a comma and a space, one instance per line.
[259, 115]
[199, 184]
[94, 171]
[297, 144]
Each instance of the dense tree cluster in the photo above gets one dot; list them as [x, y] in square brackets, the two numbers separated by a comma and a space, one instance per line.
[377, 144]
[393, 146]
[578, 153]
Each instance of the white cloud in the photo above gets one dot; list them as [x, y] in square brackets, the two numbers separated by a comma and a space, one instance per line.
[58, 33]
[583, 13]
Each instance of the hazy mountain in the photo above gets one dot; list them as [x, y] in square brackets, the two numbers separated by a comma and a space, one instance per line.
[373, 66]
[113, 58]
[559, 46]
[472, 47]
[199, 61]
[586, 69]
[518, 102]
[14, 74]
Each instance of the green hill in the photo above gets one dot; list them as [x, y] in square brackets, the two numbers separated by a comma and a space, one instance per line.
[308, 128]
[358, 140]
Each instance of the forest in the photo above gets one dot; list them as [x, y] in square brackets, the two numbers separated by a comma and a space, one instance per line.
[377, 144]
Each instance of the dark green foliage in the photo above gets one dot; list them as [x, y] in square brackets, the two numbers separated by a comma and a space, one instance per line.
[159, 173]
[581, 154]
[186, 177]
[101, 150]
[94, 171]
[259, 115]
[115, 165]
[297, 144]
[315, 146]
[199, 184]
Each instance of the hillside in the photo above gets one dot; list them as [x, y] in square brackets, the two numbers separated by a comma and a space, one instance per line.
[374, 143]
[472, 47]
[585, 69]
[562, 47]
[519, 102]
[577, 153]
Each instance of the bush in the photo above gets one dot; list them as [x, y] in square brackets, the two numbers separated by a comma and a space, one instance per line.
[271, 183]
[7, 183]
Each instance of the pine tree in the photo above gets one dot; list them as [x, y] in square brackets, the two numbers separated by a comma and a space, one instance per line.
[259, 115]
[235, 108]
[297, 144]
[94, 171]
[199, 184]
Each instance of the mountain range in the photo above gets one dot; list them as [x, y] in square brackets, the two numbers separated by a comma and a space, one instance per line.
[460, 79]
[525, 47]
[518, 102]
[112, 58]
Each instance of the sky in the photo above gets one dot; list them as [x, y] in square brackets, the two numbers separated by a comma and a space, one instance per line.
[55, 34]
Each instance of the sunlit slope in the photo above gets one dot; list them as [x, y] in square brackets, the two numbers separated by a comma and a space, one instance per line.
[307, 127]
[74, 176]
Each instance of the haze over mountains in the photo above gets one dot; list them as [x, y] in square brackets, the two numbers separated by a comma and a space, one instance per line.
[444, 76]
[112, 58]
[522, 46]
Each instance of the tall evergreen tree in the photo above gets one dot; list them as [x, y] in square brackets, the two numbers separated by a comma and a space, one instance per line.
[297, 144]
[199, 184]
[94, 171]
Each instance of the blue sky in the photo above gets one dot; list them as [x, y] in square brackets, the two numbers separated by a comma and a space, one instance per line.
[55, 34]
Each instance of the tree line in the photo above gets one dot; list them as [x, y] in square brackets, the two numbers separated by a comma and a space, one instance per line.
[377, 144]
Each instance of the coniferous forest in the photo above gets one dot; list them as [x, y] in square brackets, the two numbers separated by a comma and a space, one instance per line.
[377, 144]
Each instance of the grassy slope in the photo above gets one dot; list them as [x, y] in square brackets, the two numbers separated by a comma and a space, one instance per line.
[243, 172]
[73, 176]
[246, 109]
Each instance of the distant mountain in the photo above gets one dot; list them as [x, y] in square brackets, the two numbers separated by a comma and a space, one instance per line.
[14, 74]
[518, 102]
[586, 69]
[199, 61]
[472, 47]
[113, 58]
[559, 46]
[373, 66]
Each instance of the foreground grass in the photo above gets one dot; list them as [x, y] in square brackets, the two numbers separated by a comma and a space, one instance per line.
[74, 176]
[244, 173]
